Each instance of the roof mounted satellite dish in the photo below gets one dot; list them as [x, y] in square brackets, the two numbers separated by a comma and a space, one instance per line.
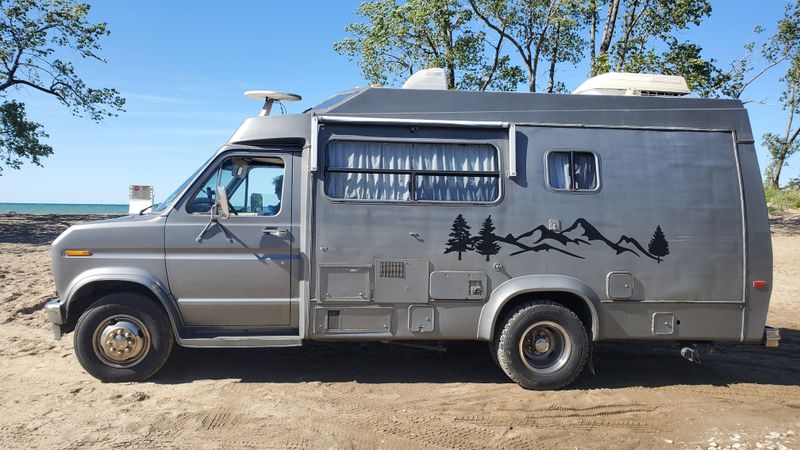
[271, 97]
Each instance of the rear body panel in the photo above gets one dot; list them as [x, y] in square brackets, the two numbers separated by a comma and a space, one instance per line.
[685, 182]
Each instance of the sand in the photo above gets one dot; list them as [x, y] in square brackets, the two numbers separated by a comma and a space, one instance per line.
[387, 396]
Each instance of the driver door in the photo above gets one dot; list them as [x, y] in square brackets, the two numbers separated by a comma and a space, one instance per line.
[238, 273]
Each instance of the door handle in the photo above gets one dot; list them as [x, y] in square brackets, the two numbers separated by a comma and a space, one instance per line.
[274, 231]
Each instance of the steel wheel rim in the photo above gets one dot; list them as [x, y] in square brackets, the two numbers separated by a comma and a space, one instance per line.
[121, 341]
[545, 347]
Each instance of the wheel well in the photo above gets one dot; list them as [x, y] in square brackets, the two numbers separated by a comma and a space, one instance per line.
[568, 300]
[91, 292]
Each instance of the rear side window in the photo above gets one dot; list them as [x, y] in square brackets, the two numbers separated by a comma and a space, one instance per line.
[572, 171]
[401, 171]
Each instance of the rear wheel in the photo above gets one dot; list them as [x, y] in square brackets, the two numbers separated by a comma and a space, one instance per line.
[542, 345]
[123, 337]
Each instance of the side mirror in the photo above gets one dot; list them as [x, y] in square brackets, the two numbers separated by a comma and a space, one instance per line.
[222, 202]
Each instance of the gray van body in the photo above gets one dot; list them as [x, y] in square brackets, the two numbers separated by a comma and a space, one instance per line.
[327, 268]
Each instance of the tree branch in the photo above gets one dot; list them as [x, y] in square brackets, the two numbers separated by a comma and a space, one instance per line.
[634, 17]
[40, 88]
[769, 66]
[500, 31]
[608, 30]
[495, 63]
[790, 141]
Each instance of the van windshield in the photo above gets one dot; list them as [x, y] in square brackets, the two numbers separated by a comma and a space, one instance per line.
[161, 207]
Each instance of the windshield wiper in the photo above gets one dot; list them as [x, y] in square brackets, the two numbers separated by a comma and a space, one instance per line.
[141, 213]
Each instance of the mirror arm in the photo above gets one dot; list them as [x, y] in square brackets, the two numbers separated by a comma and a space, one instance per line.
[211, 221]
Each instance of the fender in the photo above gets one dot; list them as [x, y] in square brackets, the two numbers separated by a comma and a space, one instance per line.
[128, 274]
[534, 283]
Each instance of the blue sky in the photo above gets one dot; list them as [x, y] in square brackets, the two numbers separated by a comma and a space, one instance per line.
[184, 66]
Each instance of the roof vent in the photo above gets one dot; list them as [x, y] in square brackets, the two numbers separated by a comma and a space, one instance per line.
[432, 79]
[641, 84]
[271, 97]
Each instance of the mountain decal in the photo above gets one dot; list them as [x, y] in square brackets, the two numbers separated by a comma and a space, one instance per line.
[568, 241]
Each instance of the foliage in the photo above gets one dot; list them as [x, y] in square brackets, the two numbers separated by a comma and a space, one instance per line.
[398, 39]
[35, 35]
[784, 45]
[20, 138]
[467, 38]
[641, 36]
[538, 30]
[779, 200]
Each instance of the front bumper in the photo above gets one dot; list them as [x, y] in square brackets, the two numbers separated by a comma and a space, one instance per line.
[772, 337]
[55, 315]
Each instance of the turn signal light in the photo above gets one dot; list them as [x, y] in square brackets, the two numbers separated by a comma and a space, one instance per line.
[759, 284]
[78, 253]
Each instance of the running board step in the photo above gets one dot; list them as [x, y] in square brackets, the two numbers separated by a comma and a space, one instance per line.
[242, 342]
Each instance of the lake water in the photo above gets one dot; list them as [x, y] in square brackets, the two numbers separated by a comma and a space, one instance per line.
[62, 208]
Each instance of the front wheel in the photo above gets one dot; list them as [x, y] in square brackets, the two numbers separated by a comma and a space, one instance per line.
[123, 337]
[542, 345]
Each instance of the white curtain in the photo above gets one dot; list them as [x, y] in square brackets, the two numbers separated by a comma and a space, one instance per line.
[368, 155]
[429, 158]
[584, 170]
[558, 170]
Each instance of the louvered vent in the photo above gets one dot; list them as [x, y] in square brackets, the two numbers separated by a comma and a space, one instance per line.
[392, 269]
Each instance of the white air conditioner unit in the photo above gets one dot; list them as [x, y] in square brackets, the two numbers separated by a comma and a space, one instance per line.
[433, 79]
[641, 84]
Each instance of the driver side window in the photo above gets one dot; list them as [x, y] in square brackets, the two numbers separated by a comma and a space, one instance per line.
[254, 187]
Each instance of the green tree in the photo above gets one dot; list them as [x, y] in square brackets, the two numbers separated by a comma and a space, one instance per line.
[783, 146]
[539, 30]
[396, 40]
[35, 36]
[784, 45]
[640, 36]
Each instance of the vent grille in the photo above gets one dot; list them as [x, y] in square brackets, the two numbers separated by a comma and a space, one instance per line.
[659, 94]
[392, 269]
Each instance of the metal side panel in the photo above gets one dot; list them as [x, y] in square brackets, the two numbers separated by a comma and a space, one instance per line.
[458, 285]
[352, 319]
[343, 282]
[242, 342]
[401, 280]
[712, 321]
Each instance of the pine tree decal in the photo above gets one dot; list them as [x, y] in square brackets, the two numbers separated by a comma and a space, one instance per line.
[659, 247]
[486, 243]
[460, 239]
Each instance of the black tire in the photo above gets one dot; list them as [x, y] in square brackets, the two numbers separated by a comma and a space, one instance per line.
[153, 344]
[561, 352]
[493, 352]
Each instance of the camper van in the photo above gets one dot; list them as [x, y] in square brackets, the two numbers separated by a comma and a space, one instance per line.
[538, 223]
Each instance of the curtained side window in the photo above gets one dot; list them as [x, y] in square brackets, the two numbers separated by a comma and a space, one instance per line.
[400, 171]
[572, 171]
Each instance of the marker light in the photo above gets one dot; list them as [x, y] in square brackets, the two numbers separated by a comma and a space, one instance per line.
[759, 284]
[78, 253]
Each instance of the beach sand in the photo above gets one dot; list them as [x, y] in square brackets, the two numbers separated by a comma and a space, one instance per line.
[385, 396]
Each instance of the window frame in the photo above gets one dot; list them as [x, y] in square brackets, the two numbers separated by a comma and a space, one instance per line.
[413, 173]
[571, 190]
[217, 168]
